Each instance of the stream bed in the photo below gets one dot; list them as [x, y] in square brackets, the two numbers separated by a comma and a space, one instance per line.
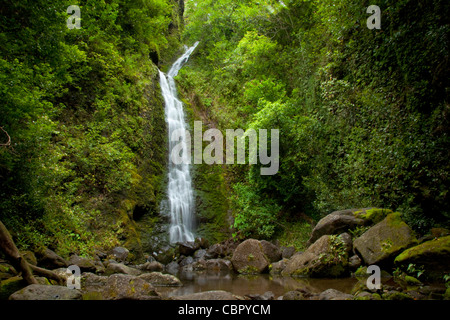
[255, 284]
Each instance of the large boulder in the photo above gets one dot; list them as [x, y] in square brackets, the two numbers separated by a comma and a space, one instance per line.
[272, 252]
[117, 287]
[327, 257]
[380, 244]
[188, 248]
[46, 292]
[249, 258]
[433, 255]
[336, 223]
[50, 260]
[86, 265]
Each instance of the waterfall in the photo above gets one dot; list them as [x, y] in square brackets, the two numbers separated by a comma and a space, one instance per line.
[179, 192]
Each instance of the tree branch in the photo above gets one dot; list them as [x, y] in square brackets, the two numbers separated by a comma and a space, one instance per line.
[8, 143]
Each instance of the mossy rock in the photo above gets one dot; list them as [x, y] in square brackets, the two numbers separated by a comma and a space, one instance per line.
[447, 294]
[433, 255]
[327, 257]
[381, 243]
[412, 281]
[93, 295]
[396, 295]
[372, 215]
[7, 268]
[249, 258]
[11, 285]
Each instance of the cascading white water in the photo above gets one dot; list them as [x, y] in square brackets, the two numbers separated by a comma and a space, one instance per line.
[179, 192]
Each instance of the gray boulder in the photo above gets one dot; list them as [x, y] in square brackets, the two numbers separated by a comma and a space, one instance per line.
[50, 260]
[249, 258]
[327, 257]
[117, 287]
[271, 251]
[188, 248]
[335, 223]
[380, 244]
[46, 292]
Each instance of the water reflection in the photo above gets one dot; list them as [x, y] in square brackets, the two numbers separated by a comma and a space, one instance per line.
[259, 284]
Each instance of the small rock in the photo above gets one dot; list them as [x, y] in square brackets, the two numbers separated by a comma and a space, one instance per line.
[188, 248]
[151, 266]
[298, 294]
[186, 261]
[200, 254]
[208, 295]
[278, 267]
[347, 241]
[287, 252]
[333, 294]
[354, 262]
[269, 295]
[159, 279]
[165, 255]
[202, 243]
[172, 268]
[219, 265]
[120, 253]
[364, 295]
[215, 251]
[121, 268]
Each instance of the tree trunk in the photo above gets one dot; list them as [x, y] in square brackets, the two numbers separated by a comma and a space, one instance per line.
[8, 246]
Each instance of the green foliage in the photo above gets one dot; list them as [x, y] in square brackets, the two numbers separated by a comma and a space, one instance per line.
[363, 114]
[84, 115]
[294, 233]
[254, 217]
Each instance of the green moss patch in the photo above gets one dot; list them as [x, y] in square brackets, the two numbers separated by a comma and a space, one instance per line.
[373, 216]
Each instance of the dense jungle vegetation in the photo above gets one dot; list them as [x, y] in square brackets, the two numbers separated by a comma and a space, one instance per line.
[363, 114]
